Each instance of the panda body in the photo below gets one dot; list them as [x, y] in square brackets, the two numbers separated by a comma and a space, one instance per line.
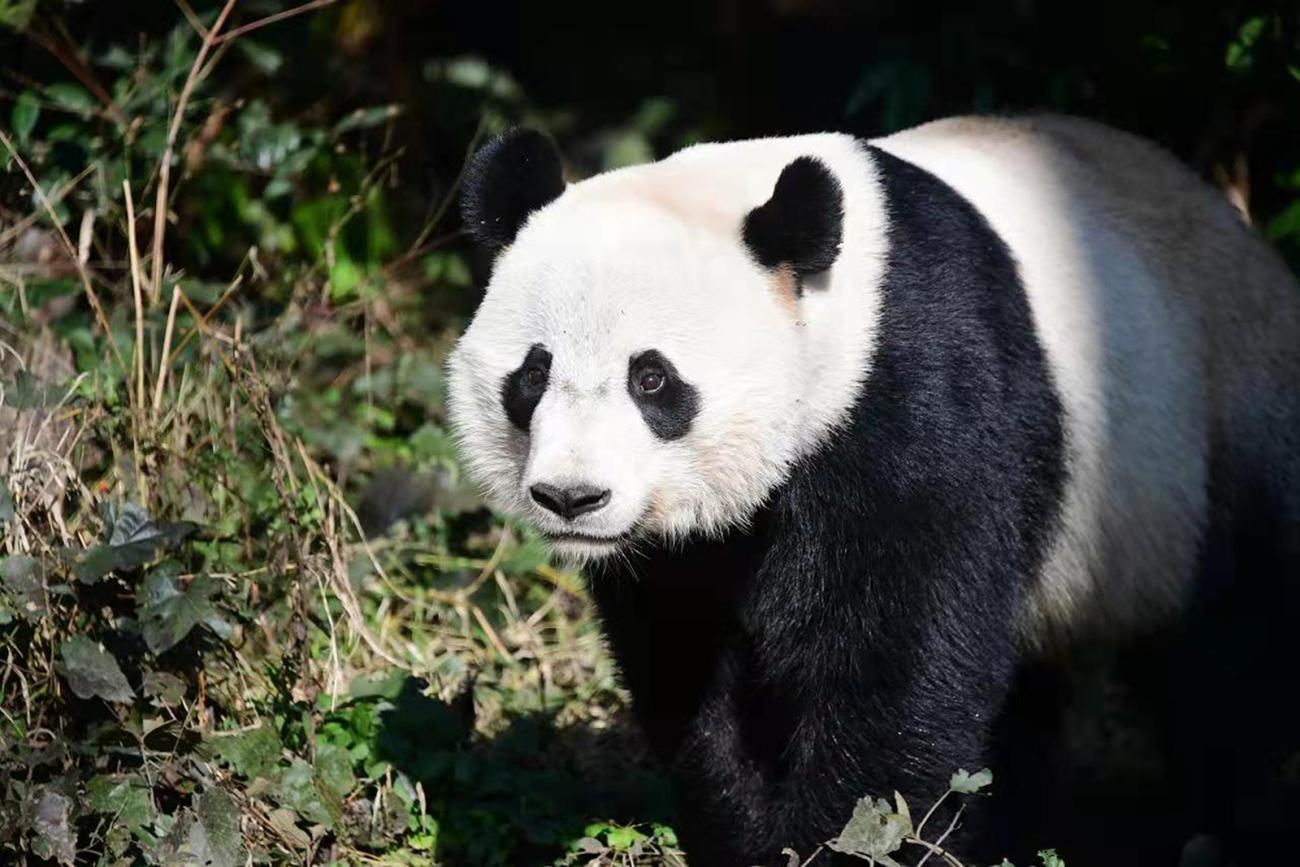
[847, 434]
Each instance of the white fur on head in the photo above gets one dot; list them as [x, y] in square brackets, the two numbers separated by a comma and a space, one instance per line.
[652, 258]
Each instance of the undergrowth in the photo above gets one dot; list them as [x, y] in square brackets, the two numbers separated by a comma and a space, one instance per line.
[250, 611]
[203, 657]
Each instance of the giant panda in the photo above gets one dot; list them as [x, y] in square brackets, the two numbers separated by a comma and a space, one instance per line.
[847, 436]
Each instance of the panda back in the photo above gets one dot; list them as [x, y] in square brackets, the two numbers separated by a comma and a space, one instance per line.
[1164, 321]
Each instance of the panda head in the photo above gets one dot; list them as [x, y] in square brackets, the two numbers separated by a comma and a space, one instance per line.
[638, 368]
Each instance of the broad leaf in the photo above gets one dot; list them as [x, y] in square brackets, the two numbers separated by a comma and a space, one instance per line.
[92, 671]
[50, 826]
[30, 392]
[967, 783]
[362, 118]
[334, 768]
[168, 613]
[302, 790]
[21, 582]
[875, 831]
[208, 836]
[27, 108]
[253, 753]
[134, 540]
[122, 797]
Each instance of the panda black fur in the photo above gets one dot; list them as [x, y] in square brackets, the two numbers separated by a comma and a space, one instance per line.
[853, 620]
[869, 644]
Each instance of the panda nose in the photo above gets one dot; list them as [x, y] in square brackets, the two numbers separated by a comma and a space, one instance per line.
[569, 503]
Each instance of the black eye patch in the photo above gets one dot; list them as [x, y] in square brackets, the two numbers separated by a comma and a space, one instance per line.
[522, 390]
[667, 402]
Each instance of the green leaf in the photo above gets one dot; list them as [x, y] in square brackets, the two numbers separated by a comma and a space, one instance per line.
[48, 819]
[30, 392]
[70, 97]
[92, 671]
[27, 108]
[213, 838]
[665, 835]
[525, 557]
[168, 613]
[267, 60]
[334, 768]
[299, 789]
[874, 832]
[16, 14]
[364, 118]
[967, 783]
[123, 797]
[252, 753]
[1286, 224]
[21, 581]
[1051, 859]
[134, 540]
[621, 838]
[167, 688]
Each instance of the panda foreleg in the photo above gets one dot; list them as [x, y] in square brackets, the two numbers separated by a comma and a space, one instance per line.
[793, 734]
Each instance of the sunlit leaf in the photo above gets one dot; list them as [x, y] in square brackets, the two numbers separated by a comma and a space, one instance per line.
[252, 753]
[122, 797]
[93, 672]
[364, 118]
[874, 831]
[300, 789]
[134, 540]
[209, 836]
[16, 14]
[52, 835]
[21, 581]
[967, 783]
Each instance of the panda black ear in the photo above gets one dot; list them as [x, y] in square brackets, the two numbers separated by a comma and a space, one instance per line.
[514, 174]
[801, 226]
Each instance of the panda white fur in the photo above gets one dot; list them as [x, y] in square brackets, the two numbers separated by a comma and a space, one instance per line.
[848, 433]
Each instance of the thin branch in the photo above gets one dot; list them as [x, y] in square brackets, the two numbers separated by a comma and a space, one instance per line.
[74, 64]
[134, 249]
[91, 295]
[930, 812]
[165, 167]
[166, 351]
[272, 19]
[58, 196]
[188, 12]
[936, 846]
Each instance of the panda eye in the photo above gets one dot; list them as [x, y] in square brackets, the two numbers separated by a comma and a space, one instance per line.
[534, 377]
[651, 381]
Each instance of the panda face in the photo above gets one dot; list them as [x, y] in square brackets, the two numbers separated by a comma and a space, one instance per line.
[659, 344]
[628, 376]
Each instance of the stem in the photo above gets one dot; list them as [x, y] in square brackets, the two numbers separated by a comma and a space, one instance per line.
[165, 168]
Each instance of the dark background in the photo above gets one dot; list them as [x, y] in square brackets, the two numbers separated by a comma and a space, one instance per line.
[1217, 83]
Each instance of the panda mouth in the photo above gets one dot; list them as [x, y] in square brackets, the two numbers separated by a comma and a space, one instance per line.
[588, 538]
